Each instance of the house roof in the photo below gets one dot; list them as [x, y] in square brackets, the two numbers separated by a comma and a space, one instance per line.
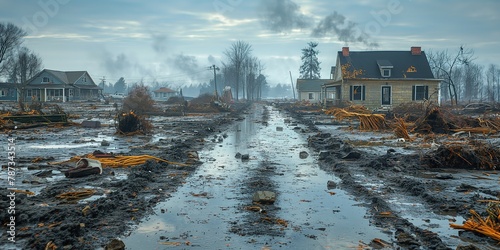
[403, 64]
[164, 90]
[311, 85]
[68, 77]
[8, 85]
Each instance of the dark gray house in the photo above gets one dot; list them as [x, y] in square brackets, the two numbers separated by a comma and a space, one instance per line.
[61, 86]
[8, 91]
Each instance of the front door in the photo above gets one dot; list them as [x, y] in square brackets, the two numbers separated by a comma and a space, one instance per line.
[386, 95]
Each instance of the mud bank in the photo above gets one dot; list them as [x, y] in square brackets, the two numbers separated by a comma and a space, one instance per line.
[402, 192]
[121, 198]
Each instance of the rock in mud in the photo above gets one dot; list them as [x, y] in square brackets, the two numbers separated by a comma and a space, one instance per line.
[444, 176]
[264, 197]
[323, 155]
[105, 143]
[353, 155]
[238, 155]
[91, 124]
[279, 128]
[331, 184]
[245, 157]
[303, 154]
[469, 247]
[115, 244]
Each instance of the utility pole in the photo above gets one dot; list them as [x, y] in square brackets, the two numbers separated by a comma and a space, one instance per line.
[103, 81]
[293, 88]
[215, 80]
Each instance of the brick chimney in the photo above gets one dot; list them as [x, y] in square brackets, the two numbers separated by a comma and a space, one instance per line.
[416, 51]
[345, 51]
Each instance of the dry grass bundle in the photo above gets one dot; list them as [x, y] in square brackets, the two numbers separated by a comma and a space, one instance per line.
[493, 123]
[75, 195]
[367, 122]
[117, 161]
[400, 130]
[489, 226]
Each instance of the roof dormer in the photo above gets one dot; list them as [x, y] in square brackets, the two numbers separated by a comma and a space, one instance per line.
[385, 68]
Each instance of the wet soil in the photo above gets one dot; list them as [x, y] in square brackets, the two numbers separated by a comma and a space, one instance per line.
[411, 203]
[402, 191]
[123, 195]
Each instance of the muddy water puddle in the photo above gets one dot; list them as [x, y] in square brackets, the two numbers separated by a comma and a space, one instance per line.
[201, 213]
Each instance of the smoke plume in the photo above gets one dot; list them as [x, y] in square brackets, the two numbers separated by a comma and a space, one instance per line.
[159, 43]
[346, 31]
[285, 15]
[282, 15]
[115, 65]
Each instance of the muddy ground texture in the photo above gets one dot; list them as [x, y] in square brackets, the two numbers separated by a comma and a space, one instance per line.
[46, 221]
[444, 187]
[123, 196]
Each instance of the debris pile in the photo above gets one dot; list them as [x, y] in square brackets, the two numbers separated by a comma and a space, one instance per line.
[118, 161]
[433, 122]
[75, 195]
[132, 118]
[207, 103]
[367, 121]
[37, 116]
[489, 226]
[130, 124]
[467, 155]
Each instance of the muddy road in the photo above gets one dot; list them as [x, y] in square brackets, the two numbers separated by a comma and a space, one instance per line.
[335, 187]
[212, 210]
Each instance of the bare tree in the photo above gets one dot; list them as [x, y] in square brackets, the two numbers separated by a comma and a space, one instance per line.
[11, 37]
[251, 66]
[444, 64]
[473, 81]
[492, 82]
[237, 54]
[22, 67]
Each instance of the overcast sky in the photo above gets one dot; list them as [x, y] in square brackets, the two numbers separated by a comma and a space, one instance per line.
[175, 41]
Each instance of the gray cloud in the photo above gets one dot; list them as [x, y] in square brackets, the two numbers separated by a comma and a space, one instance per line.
[282, 15]
[346, 31]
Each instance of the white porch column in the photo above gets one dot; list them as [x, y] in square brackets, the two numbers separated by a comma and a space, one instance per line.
[45, 95]
[64, 96]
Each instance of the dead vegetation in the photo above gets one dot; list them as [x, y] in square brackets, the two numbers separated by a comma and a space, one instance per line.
[120, 161]
[367, 121]
[132, 119]
[488, 226]
[129, 123]
[471, 154]
[207, 103]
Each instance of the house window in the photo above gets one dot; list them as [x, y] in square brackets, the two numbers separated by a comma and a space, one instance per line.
[386, 73]
[420, 92]
[45, 79]
[357, 93]
[311, 96]
[85, 79]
